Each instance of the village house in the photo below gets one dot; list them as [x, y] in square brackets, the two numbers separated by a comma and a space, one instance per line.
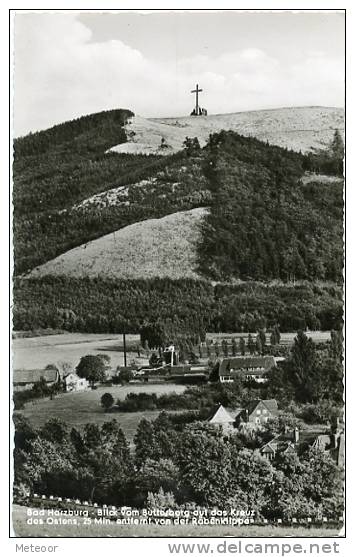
[253, 417]
[245, 367]
[74, 383]
[298, 441]
[26, 378]
[256, 414]
[223, 417]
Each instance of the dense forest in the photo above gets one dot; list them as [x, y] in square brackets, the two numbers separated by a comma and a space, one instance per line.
[191, 307]
[264, 222]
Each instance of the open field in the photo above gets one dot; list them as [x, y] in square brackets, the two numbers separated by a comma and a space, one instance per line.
[38, 352]
[78, 409]
[153, 247]
[21, 529]
[298, 128]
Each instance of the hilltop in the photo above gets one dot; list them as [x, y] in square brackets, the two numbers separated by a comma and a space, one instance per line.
[301, 129]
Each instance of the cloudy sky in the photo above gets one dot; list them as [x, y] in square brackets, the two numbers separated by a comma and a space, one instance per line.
[70, 64]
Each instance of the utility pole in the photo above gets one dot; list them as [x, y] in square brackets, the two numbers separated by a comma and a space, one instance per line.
[124, 349]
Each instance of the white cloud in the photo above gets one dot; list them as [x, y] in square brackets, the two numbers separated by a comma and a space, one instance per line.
[60, 74]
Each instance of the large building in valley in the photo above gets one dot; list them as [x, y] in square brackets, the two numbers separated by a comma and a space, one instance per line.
[245, 367]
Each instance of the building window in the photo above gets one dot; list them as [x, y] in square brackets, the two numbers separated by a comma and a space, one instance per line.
[258, 412]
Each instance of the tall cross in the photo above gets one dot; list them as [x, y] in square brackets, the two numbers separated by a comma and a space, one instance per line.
[197, 91]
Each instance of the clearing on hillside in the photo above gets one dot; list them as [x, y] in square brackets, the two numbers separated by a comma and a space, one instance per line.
[164, 247]
[298, 128]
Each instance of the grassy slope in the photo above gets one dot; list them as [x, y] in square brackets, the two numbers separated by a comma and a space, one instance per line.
[303, 128]
[21, 529]
[163, 247]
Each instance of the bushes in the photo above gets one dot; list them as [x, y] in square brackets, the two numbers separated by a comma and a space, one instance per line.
[107, 401]
[194, 399]
[39, 390]
[161, 500]
[138, 402]
[324, 412]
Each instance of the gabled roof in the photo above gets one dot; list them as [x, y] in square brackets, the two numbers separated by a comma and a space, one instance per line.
[308, 437]
[284, 442]
[273, 447]
[270, 405]
[322, 441]
[241, 363]
[221, 415]
[25, 376]
[72, 377]
[269, 448]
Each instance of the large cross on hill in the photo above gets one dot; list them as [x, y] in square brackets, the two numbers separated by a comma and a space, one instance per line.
[197, 91]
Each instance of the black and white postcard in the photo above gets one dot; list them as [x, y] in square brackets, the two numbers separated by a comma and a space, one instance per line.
[177, 351]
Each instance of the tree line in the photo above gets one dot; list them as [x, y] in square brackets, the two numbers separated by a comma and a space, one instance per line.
[175, 464]
[185, 308]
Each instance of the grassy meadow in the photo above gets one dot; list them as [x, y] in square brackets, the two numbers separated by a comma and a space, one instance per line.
[78, 409]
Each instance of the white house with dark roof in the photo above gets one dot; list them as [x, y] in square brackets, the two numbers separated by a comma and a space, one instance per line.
[245, 367]
[254, 416]
[257, 413]
[74, 383]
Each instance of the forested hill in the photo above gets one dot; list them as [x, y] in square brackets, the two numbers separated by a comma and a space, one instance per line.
[270, 215]
[56, 169]
[50, 165]
[266, 222]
